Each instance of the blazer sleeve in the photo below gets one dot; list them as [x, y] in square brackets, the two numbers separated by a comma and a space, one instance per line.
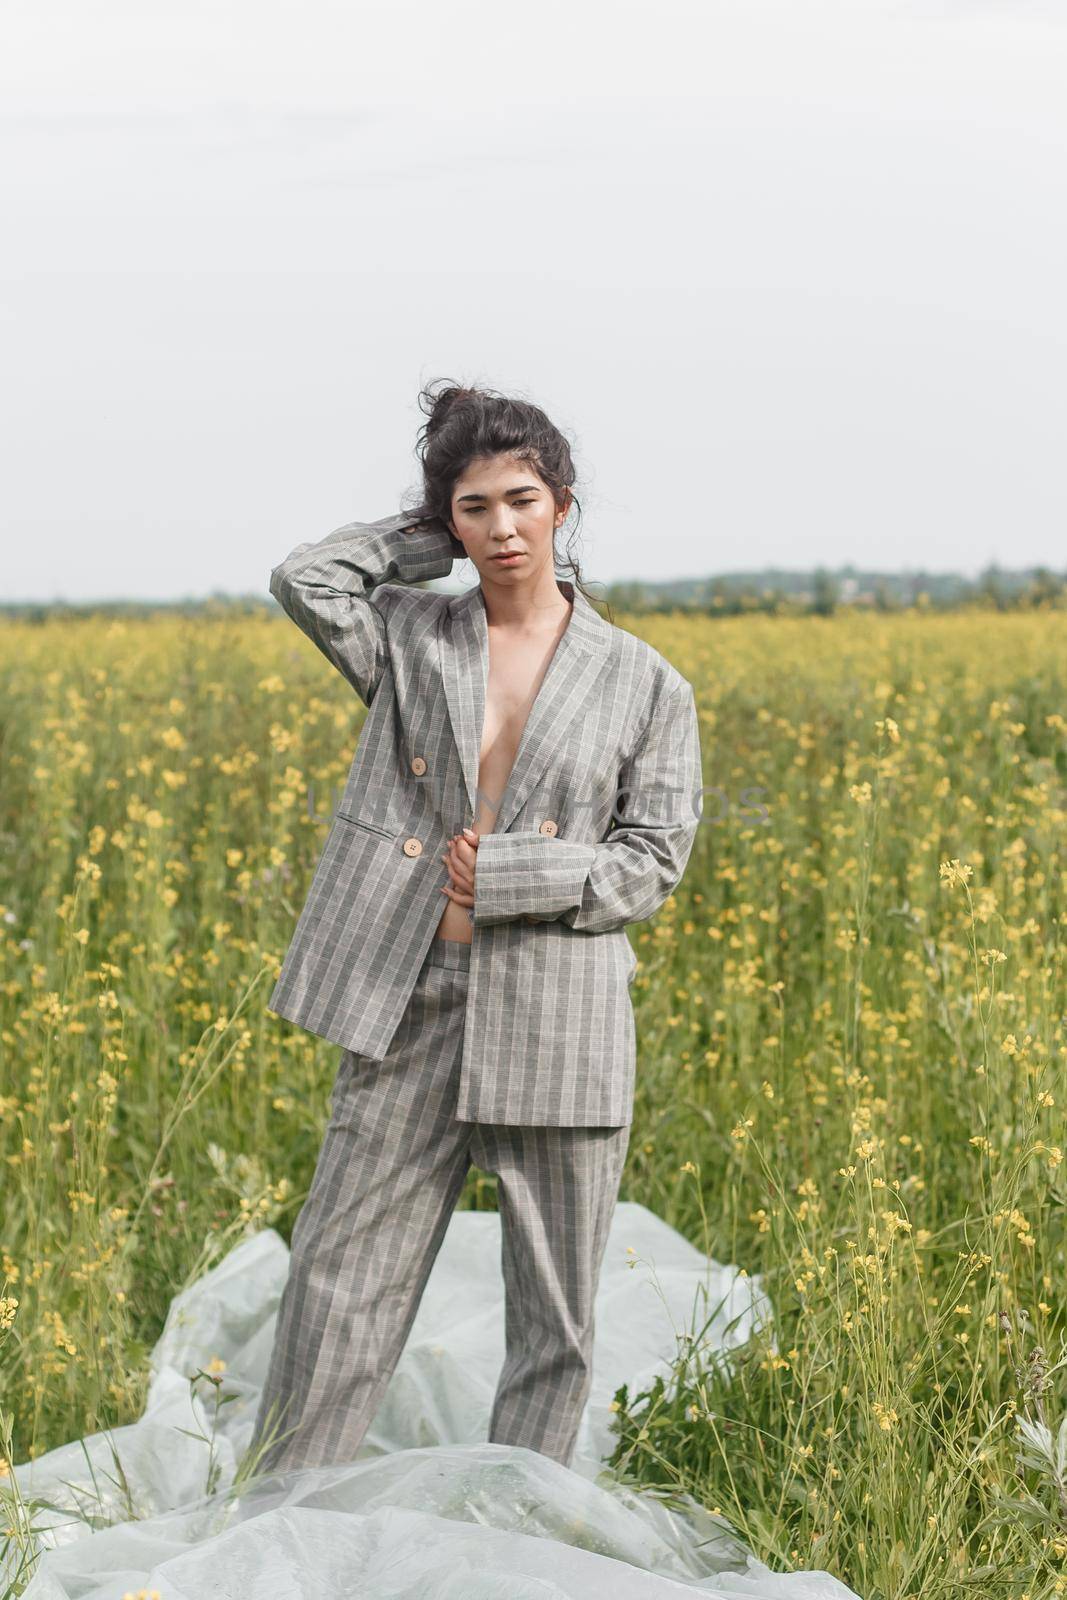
[626, 877]
[332, 590]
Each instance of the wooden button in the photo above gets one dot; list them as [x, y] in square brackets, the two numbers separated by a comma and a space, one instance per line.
[418, 765]
[548, 826]
[413, 847]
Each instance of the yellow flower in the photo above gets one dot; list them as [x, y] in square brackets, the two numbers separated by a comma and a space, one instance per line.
[954, 874]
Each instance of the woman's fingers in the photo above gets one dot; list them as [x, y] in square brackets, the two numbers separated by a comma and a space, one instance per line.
[457, 895]
[461, 871]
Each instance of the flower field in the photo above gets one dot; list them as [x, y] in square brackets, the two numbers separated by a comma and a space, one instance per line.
[852, 1025]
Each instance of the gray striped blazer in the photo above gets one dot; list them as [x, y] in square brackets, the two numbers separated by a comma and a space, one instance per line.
[593, 831]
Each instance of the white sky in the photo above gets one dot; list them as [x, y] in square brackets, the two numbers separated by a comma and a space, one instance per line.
[789, 273]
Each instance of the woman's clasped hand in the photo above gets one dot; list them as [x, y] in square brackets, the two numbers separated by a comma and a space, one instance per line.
[460, 859]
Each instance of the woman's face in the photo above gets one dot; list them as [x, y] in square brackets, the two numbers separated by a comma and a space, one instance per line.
[500, 503]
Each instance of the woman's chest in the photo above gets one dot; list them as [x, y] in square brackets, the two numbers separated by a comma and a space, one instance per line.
[555, 742]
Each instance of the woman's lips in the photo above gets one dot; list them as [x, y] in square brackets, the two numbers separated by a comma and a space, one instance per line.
[507, 557]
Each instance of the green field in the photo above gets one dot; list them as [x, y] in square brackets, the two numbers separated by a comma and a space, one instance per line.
[852, 1052]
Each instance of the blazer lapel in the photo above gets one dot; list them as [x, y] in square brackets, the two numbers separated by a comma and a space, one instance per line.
[577, 661]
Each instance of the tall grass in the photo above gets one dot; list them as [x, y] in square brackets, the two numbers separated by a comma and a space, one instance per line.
[852, 1051]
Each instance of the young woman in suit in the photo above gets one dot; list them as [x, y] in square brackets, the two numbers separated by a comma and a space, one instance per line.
[527, 783]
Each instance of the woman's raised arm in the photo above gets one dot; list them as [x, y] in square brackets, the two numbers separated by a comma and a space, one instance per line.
[333, 590]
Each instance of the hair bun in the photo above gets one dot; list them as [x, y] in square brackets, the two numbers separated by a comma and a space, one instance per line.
[447, 401]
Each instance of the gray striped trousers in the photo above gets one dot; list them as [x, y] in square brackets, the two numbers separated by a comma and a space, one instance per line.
[392, 1165]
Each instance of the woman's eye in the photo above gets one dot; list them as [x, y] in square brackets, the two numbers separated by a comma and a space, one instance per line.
[474, 510]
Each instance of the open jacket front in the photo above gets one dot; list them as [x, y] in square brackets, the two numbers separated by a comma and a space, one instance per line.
[593, 831]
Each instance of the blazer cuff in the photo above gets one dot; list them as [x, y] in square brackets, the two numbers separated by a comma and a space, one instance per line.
[401, 546]
[355, 558]
[426, 551]
[526, 874]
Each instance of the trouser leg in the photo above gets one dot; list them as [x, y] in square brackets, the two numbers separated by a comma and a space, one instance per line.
[556, 1195]
[390, 1170]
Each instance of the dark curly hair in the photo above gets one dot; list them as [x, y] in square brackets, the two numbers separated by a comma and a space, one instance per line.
[465, 424]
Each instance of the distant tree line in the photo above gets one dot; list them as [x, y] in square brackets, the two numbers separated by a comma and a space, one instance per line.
[823, 592]
[131, 610]
[819, 593]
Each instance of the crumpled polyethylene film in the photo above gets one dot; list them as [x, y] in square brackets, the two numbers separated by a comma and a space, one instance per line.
[427, 1509]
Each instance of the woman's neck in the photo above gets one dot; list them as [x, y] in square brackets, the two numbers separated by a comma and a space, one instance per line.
[535, 608]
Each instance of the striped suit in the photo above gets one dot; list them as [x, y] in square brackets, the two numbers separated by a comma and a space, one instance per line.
[515, 1052]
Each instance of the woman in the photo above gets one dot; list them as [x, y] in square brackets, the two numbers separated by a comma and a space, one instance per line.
[527, 783]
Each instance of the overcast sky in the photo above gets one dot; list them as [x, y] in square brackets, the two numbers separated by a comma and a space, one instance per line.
[789, 275]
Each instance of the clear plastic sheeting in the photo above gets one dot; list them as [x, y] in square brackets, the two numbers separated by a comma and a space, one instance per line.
[427, 1510]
